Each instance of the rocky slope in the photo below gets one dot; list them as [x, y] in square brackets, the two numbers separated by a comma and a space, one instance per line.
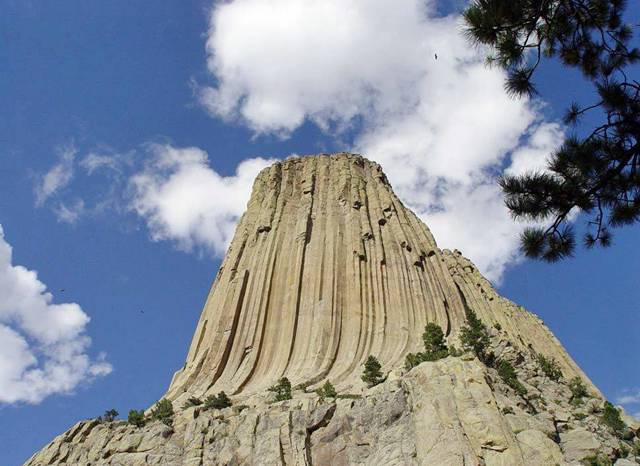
[454, 411]
[327, 267]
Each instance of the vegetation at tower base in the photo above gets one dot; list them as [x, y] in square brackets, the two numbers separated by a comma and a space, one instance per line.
[282, 390]
[578, 390]
[326, 268]
[550, 367]
[327, 391]
[598, 173]
[109, 416]
[434, 347]
[163, 412]
[475, 337]
[372, 375]
[508, 374]
[611, 418]
[191, 402]
[219, 401]
[136, 418]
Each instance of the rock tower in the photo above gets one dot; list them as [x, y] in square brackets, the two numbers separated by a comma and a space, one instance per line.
[327, 267]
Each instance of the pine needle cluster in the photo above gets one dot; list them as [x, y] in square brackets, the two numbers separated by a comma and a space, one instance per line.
[599, 173]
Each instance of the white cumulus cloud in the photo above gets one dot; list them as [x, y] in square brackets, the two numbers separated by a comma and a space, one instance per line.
[184, 200]
[43, 345]
[442, 128]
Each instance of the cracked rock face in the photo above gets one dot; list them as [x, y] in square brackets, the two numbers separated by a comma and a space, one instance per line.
[327, 267]
[454, 411]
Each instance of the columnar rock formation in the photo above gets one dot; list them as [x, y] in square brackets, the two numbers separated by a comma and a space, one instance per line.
[326, 267]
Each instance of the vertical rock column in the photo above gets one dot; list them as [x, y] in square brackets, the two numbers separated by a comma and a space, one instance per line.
[326, 267]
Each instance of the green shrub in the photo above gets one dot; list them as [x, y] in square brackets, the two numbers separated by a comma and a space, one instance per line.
[327, 391]
[611, 418]
[163, 412]
[219, 401]
[497, 326]
[412, 360]
[578, 390]
[282, 389]
[192, 402]
[509, 376]
[372, 375]
[108, 416]
[434, 347]
[624, 450]
[597, 460]
[474, 336]
[433, 338]
[455, 352]
[136, 418]
[550, 367]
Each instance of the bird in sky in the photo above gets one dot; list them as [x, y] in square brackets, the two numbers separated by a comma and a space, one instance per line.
[436, 55]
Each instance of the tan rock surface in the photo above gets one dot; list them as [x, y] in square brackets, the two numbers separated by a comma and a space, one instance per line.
[448, 412]
[326, 267]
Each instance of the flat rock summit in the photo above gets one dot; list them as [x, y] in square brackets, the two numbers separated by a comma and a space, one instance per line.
[326, 268]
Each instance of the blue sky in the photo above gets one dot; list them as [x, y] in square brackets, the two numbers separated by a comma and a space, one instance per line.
[131, 132]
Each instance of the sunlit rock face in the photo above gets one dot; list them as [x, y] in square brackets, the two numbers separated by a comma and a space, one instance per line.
[327, 266]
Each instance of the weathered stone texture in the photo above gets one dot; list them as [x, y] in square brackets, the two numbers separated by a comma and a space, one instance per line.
[327, 267]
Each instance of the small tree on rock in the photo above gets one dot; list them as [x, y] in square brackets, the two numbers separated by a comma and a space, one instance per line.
[327, 391]
[110, 415]
[372, 375]
[220, 401]
[475, 337]
[136, 418]
[163, 412]
[550, 367]
[611, 418]
[282, 389]
[578, 390]
[509, 376]
[191, 402]
[434, 347]
[433, 338]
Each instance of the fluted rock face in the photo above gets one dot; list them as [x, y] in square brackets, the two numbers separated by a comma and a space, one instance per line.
[326, 267]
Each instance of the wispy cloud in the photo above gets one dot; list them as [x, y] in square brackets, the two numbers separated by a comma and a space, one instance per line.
[43, 345]
[629, 396]
[69, 212]
[93, 162]
[442, 127]
[58, 176]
